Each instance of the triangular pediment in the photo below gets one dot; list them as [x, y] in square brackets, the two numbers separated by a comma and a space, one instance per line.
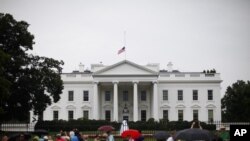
[125, 68]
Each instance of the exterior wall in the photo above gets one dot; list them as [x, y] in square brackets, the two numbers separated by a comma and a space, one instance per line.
[186, 81]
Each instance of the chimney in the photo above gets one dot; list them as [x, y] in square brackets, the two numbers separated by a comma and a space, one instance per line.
[170, 66]
[81, 67]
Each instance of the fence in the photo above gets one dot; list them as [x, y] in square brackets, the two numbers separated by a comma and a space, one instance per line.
[17, 127]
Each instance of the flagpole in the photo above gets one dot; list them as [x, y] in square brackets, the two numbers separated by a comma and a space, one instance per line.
[124, 42]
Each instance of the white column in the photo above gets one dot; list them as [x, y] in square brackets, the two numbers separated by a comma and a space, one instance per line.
[95, 102]
[155, 101]
[115, 105]
[135, 108]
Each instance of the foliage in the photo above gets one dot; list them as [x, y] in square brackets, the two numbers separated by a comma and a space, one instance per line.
[29, 82]
[92, 125]
[236, 101]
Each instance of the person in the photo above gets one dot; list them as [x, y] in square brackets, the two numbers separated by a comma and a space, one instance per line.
[141, 137]
[110, 137]
[96, 138]
[64, 136]
[73, 137]
[171, 138]
[4, 138]
[196, 124]
[224, 134]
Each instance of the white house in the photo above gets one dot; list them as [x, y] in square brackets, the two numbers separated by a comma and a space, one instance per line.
[126, 90]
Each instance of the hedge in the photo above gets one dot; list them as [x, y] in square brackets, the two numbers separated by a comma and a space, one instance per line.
[93, 125]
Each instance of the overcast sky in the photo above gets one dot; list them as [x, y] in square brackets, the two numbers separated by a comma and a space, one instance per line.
[193, 34]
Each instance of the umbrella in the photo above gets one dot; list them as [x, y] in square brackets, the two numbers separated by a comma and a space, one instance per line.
[193, 134]
[40, 132]
[16, 136]
[124, 126]
[134, 134]
[161, 135]
[106, 128]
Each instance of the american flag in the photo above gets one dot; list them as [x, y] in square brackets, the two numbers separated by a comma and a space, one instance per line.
[121, 50]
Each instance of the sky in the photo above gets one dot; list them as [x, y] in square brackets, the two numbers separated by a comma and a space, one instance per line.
[194, 35]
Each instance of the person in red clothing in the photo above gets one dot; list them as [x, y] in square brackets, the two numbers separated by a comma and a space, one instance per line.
[59, 138]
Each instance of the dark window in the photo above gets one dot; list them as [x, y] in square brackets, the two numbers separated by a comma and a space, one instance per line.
[143, 96]
[180, 115]
[55, 115]
[195, 115]
[165, 94]
[165, 114]
[143, 115]
[125, 95]
[107, 115]
[107, 96]
[195, 94]
[86, 114]
[71, 95]
[85, 95]
[70, 115]
[125, 118]
[210, 115]
[210, 94]
[180, 94]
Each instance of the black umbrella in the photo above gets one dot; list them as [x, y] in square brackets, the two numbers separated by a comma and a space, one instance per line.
[161, 135]
[19, 136]
[40, 132]
[193, 134]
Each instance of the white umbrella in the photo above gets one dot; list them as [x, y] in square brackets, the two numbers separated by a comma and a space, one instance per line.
[124, 126]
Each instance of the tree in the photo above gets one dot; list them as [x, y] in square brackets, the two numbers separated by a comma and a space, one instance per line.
[236, 102]
[32, 82]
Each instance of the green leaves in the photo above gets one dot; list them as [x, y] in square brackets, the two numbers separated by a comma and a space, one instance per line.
[236, 102]
[26, 81]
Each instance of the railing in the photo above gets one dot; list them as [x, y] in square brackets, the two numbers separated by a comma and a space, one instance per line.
[17, 127]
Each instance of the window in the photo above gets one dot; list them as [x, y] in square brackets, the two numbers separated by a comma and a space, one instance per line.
[180, 115]
[165, 114]
[195, 115]
[70, 115]
[143, 96]
[71, 95]
[195, 94]
[125, 95]
[180, 94]
[210, 115]
[86, 114]
[165, 94]
[210, 94]
[125, 118]
[85, 95]
[107, 96]
[143, 115]
[107, 115]
[55, 115]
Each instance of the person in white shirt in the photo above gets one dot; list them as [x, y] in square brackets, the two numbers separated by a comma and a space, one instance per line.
[171, 138]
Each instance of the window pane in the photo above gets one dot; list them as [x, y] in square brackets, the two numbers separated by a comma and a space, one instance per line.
[165, 114]
[70, 115]
[143, 96]
[107, 96]
[85, 95]
[55, 115]
[165, 94]
[210, 115]
[107, 115]
[210, 94]
[86, 114]
[180, 115]
[71, 95]
[195, 94]
[195, 115]
[180, 95]
[125, 95]
[143, 115]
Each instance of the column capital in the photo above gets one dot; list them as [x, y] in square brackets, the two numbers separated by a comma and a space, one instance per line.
[115, 82]
[154, 81]
[135, 81]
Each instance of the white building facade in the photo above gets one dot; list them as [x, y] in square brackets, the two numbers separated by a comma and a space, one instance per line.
[134, 92]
